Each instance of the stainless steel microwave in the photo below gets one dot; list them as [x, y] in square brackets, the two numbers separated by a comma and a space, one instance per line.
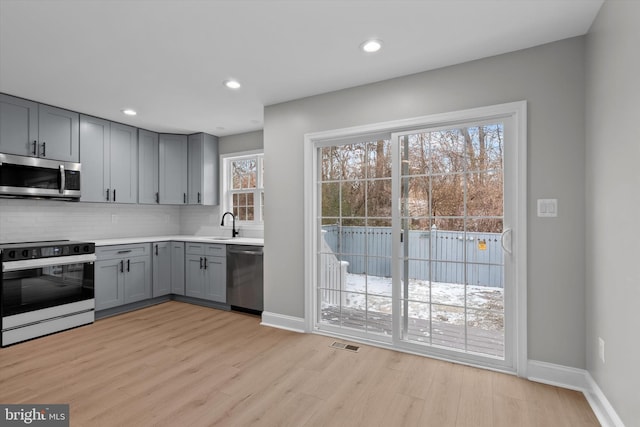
[32, 177]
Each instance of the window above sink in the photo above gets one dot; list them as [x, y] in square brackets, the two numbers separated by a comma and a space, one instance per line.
[242, 187]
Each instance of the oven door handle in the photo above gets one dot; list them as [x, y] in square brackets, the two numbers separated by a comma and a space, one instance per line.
[27, 264]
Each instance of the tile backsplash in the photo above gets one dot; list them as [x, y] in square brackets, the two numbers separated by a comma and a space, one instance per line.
[23, 220]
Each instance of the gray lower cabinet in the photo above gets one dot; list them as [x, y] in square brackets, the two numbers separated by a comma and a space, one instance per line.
[206, 271]
[172, 169]
[38, 130]
[109, 160]
[109, 284]
[177, 268]
[161, 268]
[122, 275]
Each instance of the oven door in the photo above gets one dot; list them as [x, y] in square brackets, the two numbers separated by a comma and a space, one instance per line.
[31, 285]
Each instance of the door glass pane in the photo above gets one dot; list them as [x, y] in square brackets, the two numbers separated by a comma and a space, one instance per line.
[452, 217]
[355, 227]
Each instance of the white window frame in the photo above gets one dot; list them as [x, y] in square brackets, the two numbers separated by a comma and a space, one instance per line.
[226, 204]
[517, 237]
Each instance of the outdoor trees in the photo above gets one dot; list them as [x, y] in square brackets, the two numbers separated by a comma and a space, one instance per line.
[446, 176]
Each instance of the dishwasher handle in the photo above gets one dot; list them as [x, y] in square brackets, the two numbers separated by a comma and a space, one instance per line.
[236, 252]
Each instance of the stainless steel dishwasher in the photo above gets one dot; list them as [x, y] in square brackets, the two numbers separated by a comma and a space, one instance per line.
[244, 278]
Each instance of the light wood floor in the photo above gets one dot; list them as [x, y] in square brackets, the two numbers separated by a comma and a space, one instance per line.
[177, 364]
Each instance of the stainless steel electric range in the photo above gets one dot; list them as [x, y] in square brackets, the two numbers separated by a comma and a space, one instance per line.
[45, 287]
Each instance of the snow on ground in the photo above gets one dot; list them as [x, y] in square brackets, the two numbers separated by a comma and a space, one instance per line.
[448, 300]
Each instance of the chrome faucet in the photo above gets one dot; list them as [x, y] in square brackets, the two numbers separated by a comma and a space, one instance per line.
[234, 232]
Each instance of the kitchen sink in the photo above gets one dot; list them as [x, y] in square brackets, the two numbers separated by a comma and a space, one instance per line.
[220, 238]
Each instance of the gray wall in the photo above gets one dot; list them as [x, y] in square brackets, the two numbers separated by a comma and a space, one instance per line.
[551, 79]
[241, 142]
[613, 206]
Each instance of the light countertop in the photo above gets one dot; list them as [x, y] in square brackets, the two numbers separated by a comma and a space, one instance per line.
[193, 239]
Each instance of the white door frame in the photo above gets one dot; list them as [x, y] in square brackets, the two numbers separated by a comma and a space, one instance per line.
[517, 159]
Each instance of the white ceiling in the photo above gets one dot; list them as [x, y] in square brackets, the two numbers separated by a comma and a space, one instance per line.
[167, 59]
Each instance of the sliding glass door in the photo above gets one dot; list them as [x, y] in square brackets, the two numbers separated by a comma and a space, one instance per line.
[451, 219]
[413, 235]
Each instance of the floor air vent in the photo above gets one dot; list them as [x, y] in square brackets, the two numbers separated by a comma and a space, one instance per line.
[343, 346]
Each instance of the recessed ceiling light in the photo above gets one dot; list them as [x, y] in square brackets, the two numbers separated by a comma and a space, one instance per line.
[219, 128]
[371, 46]
[129, 112]
[231, 84]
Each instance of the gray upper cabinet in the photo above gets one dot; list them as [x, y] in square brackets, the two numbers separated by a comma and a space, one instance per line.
[148, 162]
[124, 163]
[58, 134]
[203, 169]
[18, 126]
[95, 159]
[109, 159]
[173, 169]
[37, 130]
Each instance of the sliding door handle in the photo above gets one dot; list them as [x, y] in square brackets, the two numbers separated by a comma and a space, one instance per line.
[503, 236]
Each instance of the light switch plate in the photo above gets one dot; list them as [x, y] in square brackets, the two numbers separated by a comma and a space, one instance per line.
[547, 208]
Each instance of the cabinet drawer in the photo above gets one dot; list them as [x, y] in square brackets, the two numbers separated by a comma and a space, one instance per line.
[216, 250]
[194, 248]
[122, 251]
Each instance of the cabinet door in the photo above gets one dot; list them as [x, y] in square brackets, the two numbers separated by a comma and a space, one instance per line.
[109, 284]
[173, 169]
[148, 151]
[59, 133]
[194, 273]
[195, 169]
[94, 156]
[216, 279]
[124, 163]
[137, 279]
[18, 126]
[161, 268]
[203, 169]
[177, 268]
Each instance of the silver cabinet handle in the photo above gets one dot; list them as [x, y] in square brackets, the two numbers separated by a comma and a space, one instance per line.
[108, 192]
[34, 151]
[44, 149]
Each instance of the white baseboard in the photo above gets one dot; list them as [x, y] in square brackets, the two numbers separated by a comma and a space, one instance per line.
[601, 406]
[576, 379]
[281, 321]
